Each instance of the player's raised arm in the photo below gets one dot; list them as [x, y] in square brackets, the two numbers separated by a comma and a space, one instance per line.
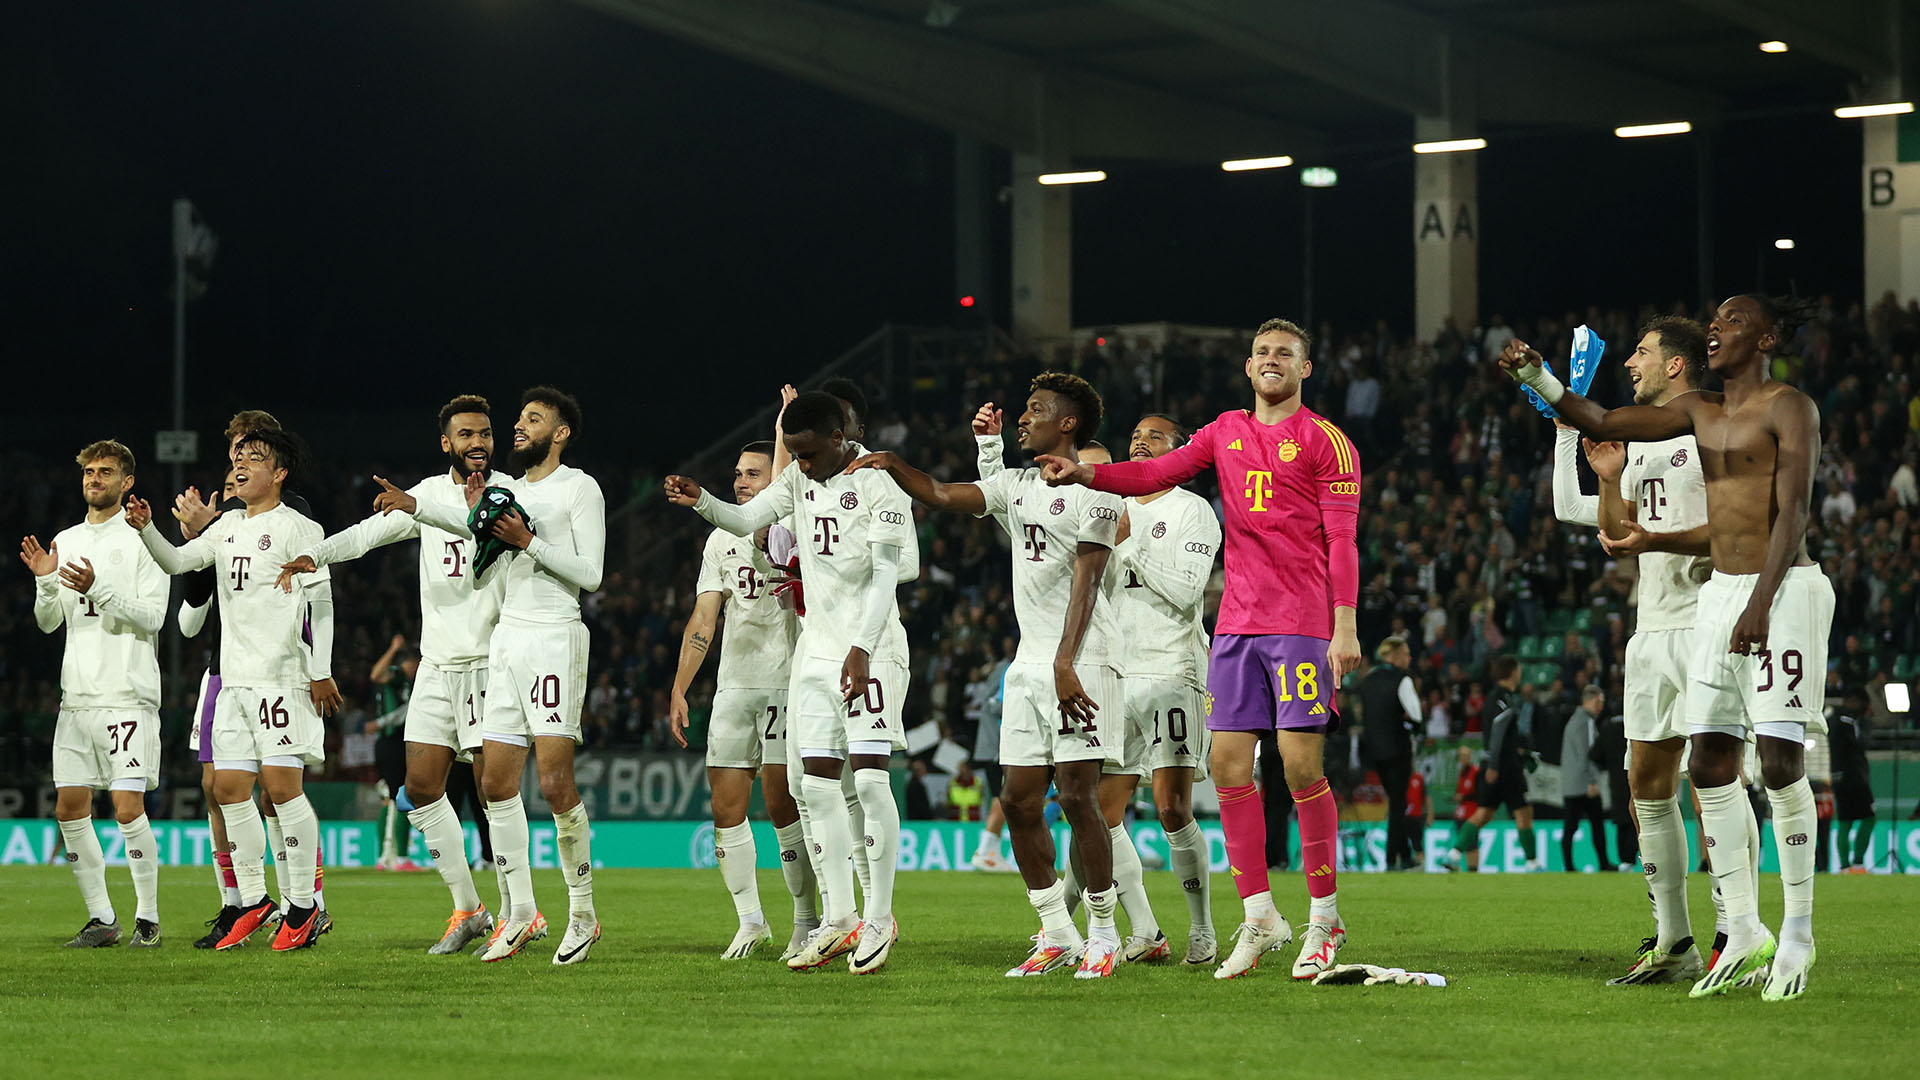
[961, 498]
[1570, 505]
[1180, 576]
[1132, 479]
[195, 554]
[1632, 423]
[782, 457]
[44, 564]
[772, 504]
[1794, 421]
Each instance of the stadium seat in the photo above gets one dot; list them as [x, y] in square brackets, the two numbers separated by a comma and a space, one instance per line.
[1904, 667]
[1583, 620]
[1559, 622]
[1529, 648]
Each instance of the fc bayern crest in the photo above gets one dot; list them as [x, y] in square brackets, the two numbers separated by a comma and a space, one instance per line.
[1679, 457]
[1059, 506]
[1159, 529]
[265, 541]
[848, 500]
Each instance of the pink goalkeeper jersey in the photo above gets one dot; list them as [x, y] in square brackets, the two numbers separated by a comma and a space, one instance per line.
[1292, 496]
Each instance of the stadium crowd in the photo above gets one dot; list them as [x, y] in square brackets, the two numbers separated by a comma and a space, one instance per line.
[1460, 551]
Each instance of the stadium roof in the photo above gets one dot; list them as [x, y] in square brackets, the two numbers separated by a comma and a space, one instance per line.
[1202, 80]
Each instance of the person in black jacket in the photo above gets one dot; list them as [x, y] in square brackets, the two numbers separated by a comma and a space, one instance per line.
[1852, 788]
[1609, 755]
[1389, 721]
[1503, 779]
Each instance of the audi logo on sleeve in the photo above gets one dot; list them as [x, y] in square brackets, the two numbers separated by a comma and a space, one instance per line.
[1104, 513]
[1200, 549]
[892, 517]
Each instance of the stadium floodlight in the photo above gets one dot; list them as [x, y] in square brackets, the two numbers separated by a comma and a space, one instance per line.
[1773, 47]
[1449, 146]
[1785, 243]
[1250, 164]
[1898, 700]
[1092, 176]
[1319, 176]
[1642, 131]
[1885, 108]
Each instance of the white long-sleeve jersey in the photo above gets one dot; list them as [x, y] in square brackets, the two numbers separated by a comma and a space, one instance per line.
[842, 527]
[456, 616]
[1157, 584]
[1669, 492]
[110, 660]
[268, 637]
[756, 648]
[566, 558]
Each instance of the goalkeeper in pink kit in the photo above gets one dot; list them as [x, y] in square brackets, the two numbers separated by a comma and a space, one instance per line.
[1290, 485]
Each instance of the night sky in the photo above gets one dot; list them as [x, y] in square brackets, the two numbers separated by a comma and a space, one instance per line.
[414, 198]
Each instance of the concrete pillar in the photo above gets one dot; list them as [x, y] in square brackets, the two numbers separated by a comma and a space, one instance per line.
[1042, 253]
[1446, 208]
[1446, 233]
[1890, 206]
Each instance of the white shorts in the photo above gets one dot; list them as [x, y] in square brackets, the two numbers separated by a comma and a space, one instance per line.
[446, 707]
[254, 723]
[1166, 728]
[1033, 731]
[1656, 685]
[748, 728]
[536, 681]
[117, 749]
[820, 718]
[1784, 684]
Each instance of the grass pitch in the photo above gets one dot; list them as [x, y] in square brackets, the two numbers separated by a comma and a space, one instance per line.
[1526, 956]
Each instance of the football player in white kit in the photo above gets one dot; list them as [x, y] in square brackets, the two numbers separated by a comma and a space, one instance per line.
[456, 621]
[849, 677]
[1657, 486]
[747, 732]
[97, 580]
[276, 652]
[537, 662]
[1062, 675]
[1156, 582]
[1760, 644]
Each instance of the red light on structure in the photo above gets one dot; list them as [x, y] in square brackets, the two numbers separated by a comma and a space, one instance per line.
[1100, 341]
[966, 301]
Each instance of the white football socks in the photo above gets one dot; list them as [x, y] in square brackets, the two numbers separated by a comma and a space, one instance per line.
[277, 849]
[143, 862]
[574, 839]
[1129, 877]
[834, 841]
[507, 819]
[1260, 909]
[89, 867]
[389, 848]
[796, 866]
[1051, 904]
[733, 848]
[447, 847]
[1187, 851]
[301, 827]
[989, 844]
[857, 830]
[1663, 853]
[1100, 907]
[248, 838]
[1795, 833]
[880, 842]
[1727, 818]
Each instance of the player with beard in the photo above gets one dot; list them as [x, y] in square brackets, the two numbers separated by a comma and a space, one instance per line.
[747, 733]
[197, 588]
[1062, 674]
[112, 598]
[849, 674]
[456, 620]
[277, 681]
[537, 661]
[1290, 485]
[1760, 647]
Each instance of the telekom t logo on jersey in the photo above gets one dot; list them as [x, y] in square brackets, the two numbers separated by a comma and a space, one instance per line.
[1036, 541]
[1652, 496]
[1259, 487]
[238, 571]
[455, 559]
[826, 533]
